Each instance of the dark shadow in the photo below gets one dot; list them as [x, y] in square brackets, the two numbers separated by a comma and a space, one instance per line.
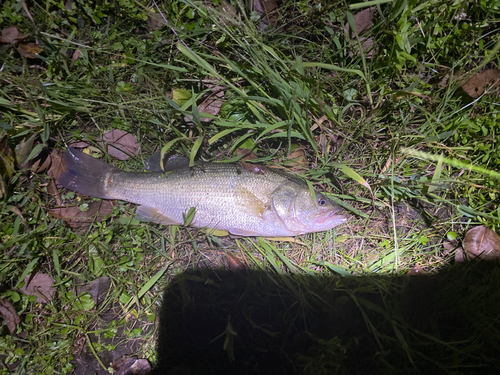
[220, 322]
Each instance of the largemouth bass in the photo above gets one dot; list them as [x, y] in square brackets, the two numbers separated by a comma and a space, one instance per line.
[226, 197]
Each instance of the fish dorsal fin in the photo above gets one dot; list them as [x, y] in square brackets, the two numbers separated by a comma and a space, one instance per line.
[249, 202]
[145, 213]
[170, 162]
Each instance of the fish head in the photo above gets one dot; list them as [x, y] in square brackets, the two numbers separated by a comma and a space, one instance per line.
[302, 212]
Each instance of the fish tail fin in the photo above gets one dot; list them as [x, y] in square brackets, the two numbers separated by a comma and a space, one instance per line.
[86, 175]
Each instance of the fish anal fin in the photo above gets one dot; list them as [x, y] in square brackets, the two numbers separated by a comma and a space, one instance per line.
[249, 202]
[146, 213]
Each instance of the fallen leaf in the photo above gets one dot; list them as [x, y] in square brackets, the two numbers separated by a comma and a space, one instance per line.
[154, 21]
[234, 263]
[251, 167]
[9, 315]
[77, 218]
[268, 11]
[299, 161]
[131, 366]
[416, 270]
[10, 35]
[75, 57]
[476, 85]
[54, 192]
[460, 255]
[120, 141]
[98, 289]
[41, 286]
[23, 150]
[362, 21]
[57, 166]
[211, 104]
[481, 242]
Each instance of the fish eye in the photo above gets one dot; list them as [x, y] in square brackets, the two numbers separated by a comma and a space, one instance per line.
[321, 202]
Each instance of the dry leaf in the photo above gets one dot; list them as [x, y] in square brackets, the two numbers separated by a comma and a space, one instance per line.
[11, 35]
[75, 57]
[268, 11]
[416, 270]
[251, 167]
[234, 263]
[68, 5]
[41, 286]
[154, 21]
[119, 140]
[211, 104]
[98, 289]
[481, 242]
[52, 190]
[131, 366]
[9, 315]
[362, 21]
[77, 218]
[476, 85]
[57, 166]
[299, 160]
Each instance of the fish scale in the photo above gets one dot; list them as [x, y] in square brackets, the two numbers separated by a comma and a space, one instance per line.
[225, 196]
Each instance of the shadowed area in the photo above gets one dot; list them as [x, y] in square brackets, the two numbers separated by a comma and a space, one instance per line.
[221, 322]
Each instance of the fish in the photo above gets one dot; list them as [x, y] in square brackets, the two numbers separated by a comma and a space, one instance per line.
[225, 196]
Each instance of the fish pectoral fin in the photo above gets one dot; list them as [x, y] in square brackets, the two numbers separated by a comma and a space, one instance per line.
[145, 213]
[249, 202]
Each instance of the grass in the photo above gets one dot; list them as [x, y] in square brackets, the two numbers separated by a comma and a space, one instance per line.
[391, 136]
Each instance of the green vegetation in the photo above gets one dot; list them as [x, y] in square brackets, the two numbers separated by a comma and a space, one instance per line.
[381, 119]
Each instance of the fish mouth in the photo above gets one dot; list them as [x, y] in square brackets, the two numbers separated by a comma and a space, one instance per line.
[330, 218]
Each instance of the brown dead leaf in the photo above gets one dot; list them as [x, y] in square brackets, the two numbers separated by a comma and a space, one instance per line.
[75, 57]
[98, 289]
[481, 242]
[299, 160]
[416, 270]
[251, 167]
[155, 21]
[234, 263]
[211, 104]
[9, 315]
[54, 192]
[480, 81]
[268, 11]
[131, 366]
[11, 35]
[41, 286]
[362, 21]
[57, 166]
[77, 218]
[120, 141]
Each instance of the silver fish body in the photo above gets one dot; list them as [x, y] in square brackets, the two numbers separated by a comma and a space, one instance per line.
[225, 196]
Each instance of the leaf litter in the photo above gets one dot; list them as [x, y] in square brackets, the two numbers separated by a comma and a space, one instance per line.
[9, 315]
[41, 286]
